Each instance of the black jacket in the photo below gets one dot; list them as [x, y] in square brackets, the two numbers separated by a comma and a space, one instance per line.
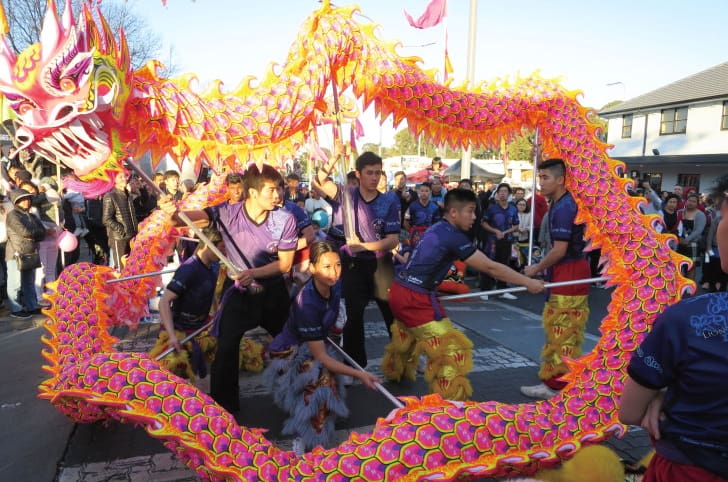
[118, 215]
[24, 232]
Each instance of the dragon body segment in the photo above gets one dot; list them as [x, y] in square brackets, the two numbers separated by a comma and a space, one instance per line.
[104, 113]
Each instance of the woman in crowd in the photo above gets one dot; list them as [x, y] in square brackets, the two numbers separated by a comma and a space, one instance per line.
[690, 232]
[524, 230]
[300, 375]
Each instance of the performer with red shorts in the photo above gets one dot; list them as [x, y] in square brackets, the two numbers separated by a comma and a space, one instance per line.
[567, 308]
[421, 326]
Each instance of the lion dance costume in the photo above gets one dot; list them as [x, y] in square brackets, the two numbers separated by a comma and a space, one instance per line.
[79, 103]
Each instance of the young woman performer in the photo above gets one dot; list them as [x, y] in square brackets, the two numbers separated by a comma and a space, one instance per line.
[300, 374]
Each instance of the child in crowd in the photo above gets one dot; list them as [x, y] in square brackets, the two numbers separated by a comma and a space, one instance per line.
[300, 374]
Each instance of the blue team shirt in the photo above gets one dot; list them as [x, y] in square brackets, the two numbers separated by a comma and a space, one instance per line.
[311, 318]
[502, 219]
[431, 259]
[194, 285]
[302, 218]
[259, 243]
[375, 219]
[687, 352]
[562, 214]
[420, 215]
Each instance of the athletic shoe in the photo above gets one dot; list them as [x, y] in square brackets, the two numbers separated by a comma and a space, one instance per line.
[44, 304]
[298, 446]
[484, 297]
[21, 315]
[508, 296]
[540, 391]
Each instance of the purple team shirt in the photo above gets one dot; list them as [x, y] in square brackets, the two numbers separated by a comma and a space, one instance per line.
[303, 220]
[259, 243]
[686, 353]
[562, 228]
[375, 219]
[431, 259]
[420, 215]
[311, 319]
[194, 285]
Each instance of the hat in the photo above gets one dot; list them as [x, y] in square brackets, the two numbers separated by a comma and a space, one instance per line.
[49, 182]
[18, 194]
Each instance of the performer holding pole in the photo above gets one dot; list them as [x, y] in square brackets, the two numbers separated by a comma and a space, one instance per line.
[263, 238]
[300, 373]
[184, 309]
[367, 263]
[421, 325]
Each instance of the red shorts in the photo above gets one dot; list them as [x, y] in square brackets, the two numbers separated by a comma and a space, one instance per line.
[411, 307]
[572, 270]
[665, 470]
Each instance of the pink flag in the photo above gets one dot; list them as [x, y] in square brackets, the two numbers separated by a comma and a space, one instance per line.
[434, 13]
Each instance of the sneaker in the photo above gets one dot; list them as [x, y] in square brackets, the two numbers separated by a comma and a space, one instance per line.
[484, 297]
[298, 446]
[540, 391]
[44, 304]
[508, 296]
[21, 315]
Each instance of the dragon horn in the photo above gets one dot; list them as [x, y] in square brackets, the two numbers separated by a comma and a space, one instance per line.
[50, 34]
[67, 18]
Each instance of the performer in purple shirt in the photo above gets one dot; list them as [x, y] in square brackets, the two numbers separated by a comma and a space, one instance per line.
[421, 326]
[260, 239]
[300, 353]
[366, 258]
[421, 214]
[567, 308]
[185, 307]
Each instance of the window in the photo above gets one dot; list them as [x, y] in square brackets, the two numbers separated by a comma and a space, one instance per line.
[674, 121]
[655, 179]
[724, 118]
[688, 180]
[627, 125]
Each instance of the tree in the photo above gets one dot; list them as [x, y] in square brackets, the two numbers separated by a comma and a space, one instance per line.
[25, 18]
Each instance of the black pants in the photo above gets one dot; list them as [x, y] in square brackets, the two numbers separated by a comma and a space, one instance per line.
[241, 313]
[362, 280]
[119, 249]
[503, 249]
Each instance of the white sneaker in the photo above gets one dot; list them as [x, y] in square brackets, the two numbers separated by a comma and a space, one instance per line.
[540, 391]
[508, 296]
[484, 297]
[298, 446]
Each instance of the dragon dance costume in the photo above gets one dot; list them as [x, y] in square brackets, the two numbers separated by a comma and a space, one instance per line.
[420, 325]
[311, 395]
[567, 308]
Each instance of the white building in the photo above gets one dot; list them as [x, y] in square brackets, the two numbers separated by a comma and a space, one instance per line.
[677, 134]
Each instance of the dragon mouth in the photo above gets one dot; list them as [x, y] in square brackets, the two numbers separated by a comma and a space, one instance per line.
[81, 145]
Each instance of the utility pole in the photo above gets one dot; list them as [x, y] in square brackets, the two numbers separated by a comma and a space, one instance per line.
[472, 35]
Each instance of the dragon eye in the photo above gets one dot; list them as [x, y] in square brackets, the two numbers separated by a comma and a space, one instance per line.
[24, 107]
[68, 84]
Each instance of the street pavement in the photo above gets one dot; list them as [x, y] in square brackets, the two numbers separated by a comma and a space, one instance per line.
[40, 444]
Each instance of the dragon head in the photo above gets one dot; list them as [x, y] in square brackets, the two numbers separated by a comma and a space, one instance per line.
[69, 91]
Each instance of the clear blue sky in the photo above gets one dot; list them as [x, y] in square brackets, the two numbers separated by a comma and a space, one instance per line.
[642, 44]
